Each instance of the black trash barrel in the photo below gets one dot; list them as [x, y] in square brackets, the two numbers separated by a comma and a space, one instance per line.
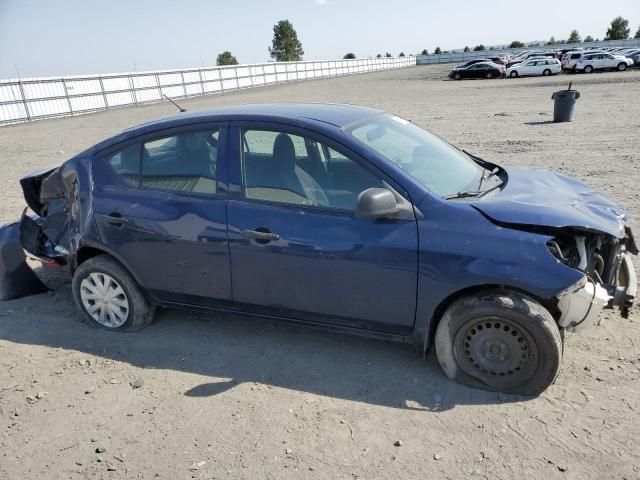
[564, 105]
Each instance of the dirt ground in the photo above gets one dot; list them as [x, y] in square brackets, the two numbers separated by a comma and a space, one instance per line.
[231, 397]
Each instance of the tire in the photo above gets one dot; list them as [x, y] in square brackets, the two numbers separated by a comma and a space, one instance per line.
[504, 342]
[457, 76]
[546, 73]
[588, 69]
[622, 66]
[513, 74]
[489, 75]
[128, 311]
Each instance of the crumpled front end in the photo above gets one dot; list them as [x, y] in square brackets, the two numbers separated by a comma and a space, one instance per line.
[609, 279]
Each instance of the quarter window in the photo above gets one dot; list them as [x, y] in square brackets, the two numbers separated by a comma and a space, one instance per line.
[281, 167]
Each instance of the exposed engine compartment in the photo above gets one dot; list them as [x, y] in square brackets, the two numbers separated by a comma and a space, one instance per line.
[603, 258]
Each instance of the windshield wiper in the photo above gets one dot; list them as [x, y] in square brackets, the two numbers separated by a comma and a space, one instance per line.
[482, 164]
[472, 193]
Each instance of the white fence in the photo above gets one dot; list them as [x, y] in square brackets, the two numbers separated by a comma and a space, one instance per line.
[461, 57]
[29, 99]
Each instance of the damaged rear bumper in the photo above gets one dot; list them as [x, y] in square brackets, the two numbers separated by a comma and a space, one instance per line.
[581, 303]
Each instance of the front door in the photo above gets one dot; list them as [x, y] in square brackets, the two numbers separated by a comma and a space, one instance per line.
[297, 249]
[160, 206]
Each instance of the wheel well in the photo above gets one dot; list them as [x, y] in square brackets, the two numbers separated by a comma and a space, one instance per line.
[550, 305]
[85, 253]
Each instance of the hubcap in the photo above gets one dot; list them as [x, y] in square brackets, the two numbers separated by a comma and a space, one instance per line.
[104, 299]
[497, 351]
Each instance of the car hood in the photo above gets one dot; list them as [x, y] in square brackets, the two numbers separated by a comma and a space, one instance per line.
[542, 198]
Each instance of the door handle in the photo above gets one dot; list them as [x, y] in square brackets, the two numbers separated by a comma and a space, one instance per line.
[116, 218]
[261, 235]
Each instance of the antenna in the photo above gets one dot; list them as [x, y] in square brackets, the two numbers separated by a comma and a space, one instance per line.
[182, 110]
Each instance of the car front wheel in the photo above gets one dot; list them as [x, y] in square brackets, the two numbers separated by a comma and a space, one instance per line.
[622, 66]
[109, 297]
[503, 342]
[513, 74]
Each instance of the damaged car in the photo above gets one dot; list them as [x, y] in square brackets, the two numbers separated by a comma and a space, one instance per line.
[341, 217]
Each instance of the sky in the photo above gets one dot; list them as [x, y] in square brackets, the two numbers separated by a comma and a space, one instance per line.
[65, 37]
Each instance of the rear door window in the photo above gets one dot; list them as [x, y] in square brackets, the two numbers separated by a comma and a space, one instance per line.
[185, 162]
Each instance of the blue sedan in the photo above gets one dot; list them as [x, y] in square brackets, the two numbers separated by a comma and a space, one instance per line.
[338, 216]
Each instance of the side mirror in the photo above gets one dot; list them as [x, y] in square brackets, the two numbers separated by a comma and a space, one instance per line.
[376, 203]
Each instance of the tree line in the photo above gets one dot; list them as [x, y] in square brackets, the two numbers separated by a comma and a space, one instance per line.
[286, 47]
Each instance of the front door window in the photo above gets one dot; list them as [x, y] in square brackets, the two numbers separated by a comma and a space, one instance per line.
[285, 168]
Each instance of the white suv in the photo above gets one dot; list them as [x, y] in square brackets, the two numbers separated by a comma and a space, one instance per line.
[571, 59]
[601, 61]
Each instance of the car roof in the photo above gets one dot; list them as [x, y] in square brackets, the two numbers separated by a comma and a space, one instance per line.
[335, 114]
[330, 115]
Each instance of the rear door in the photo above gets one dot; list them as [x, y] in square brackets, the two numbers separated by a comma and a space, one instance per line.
[160, 204]
[297, 248]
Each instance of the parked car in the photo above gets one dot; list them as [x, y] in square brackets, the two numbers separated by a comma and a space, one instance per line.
[472, 62]
[603, 61]
[338, 216]
[535, 67]
[497, 60]
[529, 56]
[571, 59]
[477, 70]
[633, 55]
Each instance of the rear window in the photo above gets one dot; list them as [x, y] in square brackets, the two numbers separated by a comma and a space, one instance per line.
[575, 56]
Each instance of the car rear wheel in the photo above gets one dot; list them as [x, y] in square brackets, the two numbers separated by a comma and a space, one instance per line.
[622, 66]
[513, 74]
[503, 342]
[588, 69]
[488, 75]
[109, 297]
[546, 72]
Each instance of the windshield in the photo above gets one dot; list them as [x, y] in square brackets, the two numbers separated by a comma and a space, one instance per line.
[434, 163]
